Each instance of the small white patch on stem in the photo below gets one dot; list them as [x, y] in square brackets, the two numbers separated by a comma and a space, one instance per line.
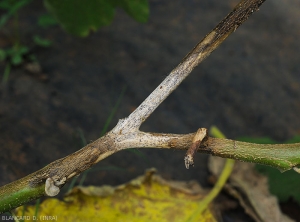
[51, 186]
[50, 189]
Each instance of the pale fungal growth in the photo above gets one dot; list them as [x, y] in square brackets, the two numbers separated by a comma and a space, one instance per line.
[51, 186]
[188, 160]
[50, 189]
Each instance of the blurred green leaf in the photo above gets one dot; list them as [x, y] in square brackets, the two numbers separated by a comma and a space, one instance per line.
[5, 4]
[46, 21]
[261, 140]
[137, 9]
[3, 55]
[16, 54]
[22, 50]
[16, 59]
[295, 139]
[80, 17]
[283, 185]
[6, 73]
[41, 42]
[3, 19]
[11, 7]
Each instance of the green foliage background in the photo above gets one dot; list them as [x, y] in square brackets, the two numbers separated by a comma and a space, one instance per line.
[283, 185]
[80, 17]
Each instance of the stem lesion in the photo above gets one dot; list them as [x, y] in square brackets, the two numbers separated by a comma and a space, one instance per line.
[126, 133]
[281, 156]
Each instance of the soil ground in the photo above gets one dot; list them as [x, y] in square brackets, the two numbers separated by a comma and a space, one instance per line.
[249, 86]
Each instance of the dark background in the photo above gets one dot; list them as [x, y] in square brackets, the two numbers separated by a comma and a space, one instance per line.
[249, 86]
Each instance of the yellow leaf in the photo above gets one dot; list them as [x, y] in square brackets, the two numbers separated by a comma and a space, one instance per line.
[146, 198]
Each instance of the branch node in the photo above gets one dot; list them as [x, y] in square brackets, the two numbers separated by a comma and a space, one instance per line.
[189, 156]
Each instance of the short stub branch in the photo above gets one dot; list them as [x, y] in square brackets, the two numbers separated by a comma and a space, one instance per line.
[189, 156]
